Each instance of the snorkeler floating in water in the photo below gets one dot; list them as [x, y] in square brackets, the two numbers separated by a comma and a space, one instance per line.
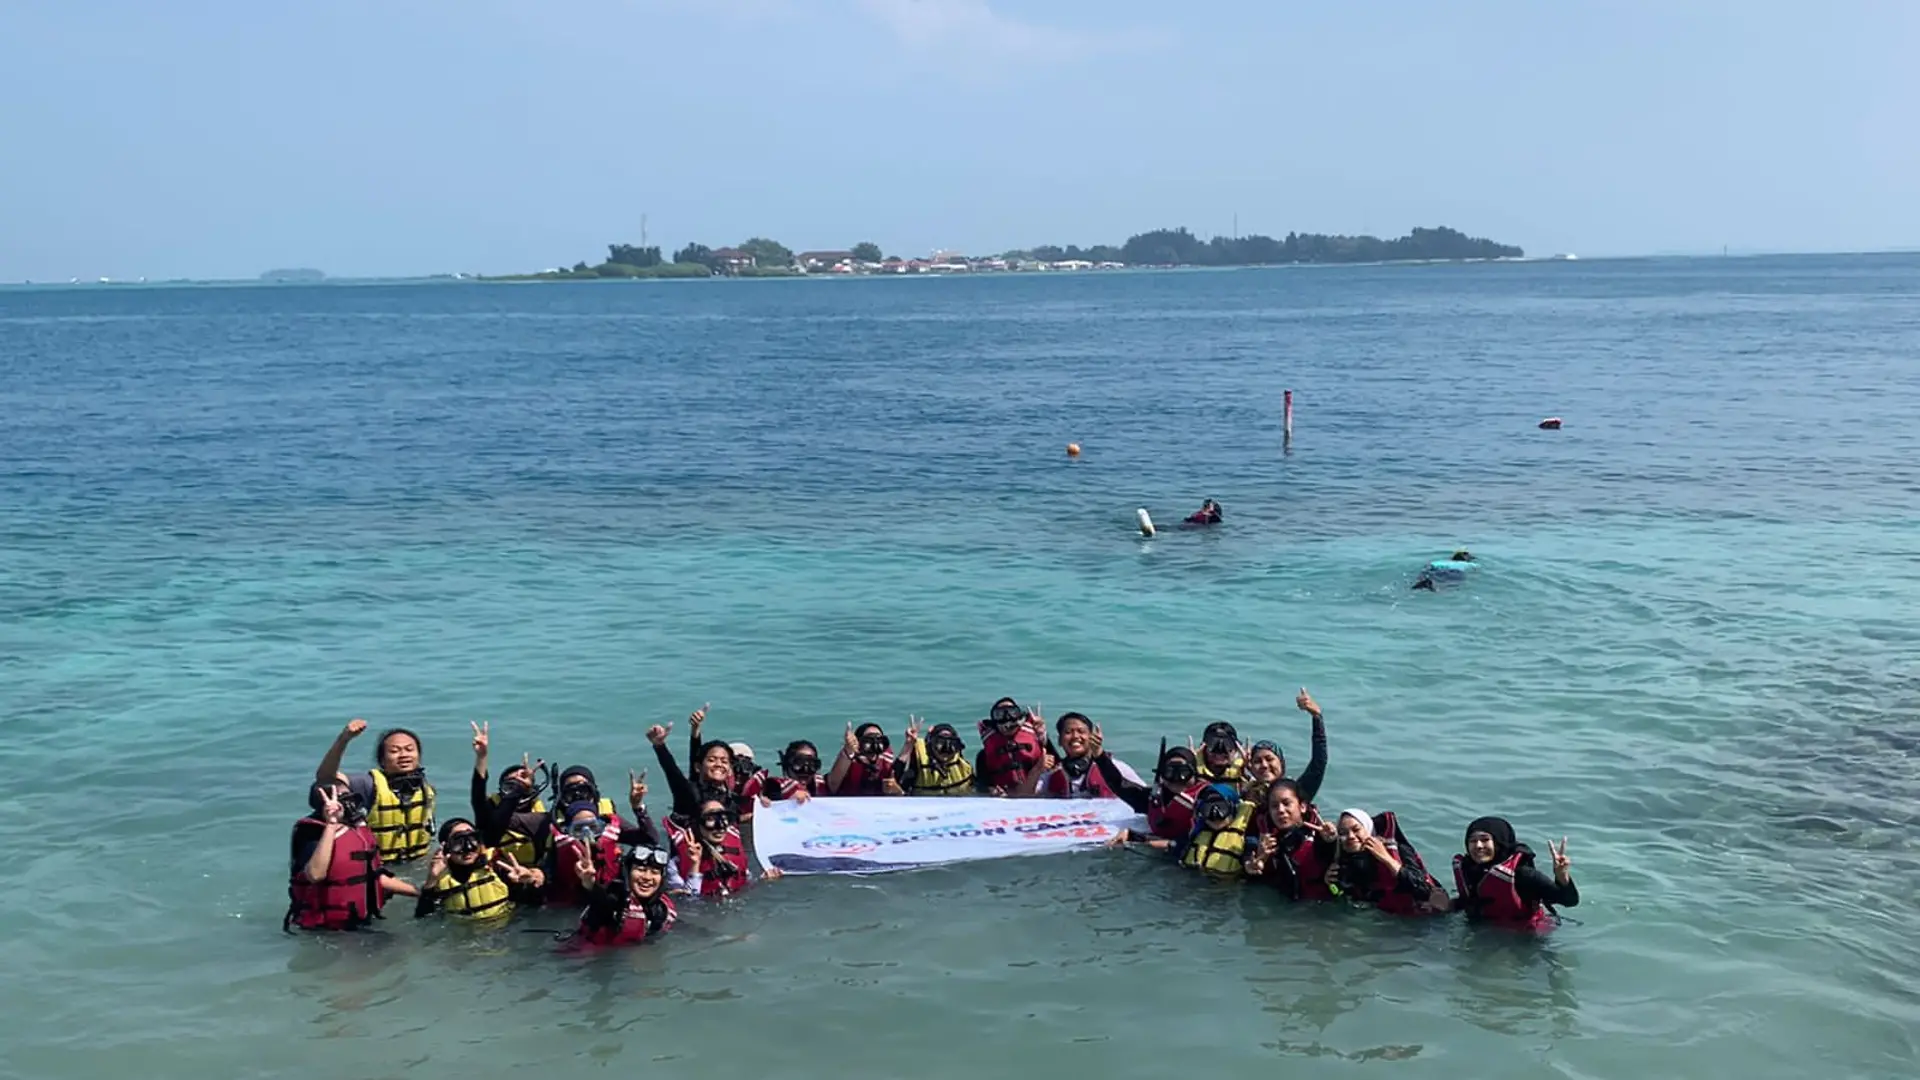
[1450, 570]
[1208, 514]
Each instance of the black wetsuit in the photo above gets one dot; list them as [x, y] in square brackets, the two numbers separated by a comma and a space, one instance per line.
[1532, 883]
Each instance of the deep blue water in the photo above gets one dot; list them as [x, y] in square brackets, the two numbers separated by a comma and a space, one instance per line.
[233, 517]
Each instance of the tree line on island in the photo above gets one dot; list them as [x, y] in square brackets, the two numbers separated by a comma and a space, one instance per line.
[761, 257]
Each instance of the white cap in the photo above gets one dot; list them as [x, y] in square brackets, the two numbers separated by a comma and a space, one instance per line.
[740, 750]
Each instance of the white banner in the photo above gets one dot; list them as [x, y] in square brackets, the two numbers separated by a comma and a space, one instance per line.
[874, 834]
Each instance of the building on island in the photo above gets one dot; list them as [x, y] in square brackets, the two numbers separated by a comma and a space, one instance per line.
[732, 260]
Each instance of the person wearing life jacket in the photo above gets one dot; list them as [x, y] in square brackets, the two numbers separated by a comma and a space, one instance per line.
[749, 779]
[799, 777]
[1168, 805]
[1223, 757]
[709, 855]
[1295, 849]
[1208, 514]
[865, 764]
[1219, 841]
[935, 764]
[1445, 571]
[1266, 762]
[468, 883]
[1379, 867]
[512, 821]
[719, 764]
[1076, 772]
[633, 906]
[336, 880]
[398, 798]
[1012, 743]
[588, 823]
[1496, 883]
[713, 770]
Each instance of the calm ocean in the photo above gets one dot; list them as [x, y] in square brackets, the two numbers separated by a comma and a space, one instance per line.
[233, 517]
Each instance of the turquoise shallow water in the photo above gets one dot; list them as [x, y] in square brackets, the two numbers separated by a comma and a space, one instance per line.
[234, 517]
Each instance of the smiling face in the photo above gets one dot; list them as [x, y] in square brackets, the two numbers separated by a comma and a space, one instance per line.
[462, 847]
[643, 880]
[1353, 835]
[399, 754]
[717, 766]
[1076, 737]
[1266, 766]
[1481, 848]
[1284, 809]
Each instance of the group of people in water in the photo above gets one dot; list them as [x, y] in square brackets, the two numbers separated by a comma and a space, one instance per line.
[546, 836]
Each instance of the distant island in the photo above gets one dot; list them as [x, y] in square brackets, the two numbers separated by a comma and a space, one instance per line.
[760, 257]
[298, 274]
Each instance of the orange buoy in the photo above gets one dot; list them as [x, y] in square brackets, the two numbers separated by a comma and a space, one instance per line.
[1073, 449]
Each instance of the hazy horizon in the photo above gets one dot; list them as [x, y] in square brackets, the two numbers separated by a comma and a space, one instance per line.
[222, 141]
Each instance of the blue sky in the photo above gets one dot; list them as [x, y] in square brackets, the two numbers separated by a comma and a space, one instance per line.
[220, 138]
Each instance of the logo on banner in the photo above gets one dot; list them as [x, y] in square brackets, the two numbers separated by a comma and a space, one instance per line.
[842, 845]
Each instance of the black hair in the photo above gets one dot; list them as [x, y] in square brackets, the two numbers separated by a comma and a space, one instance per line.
[381, 743]
[1060, 725]
[446, 827]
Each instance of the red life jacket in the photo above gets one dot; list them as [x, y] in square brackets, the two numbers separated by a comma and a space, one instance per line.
[695, 865]
[747, 793]
[632, 927]
[1004, 761]
[350, 896]
[1496, 899]
[1091, 786]
[563, 887]
[1382, 886]
[865, 779]
[781, 788]
[1309, 865]
[1171, 817]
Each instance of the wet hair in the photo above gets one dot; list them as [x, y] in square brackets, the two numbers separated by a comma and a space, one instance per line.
[1285, 784]
[1060, 725]
[380, 744]
[708, 749]
[446, 827]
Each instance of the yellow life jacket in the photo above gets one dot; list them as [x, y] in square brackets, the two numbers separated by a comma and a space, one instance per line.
[482, 896]
[516, 843]
[1219, 851]
[1228, 775]
[404, 828]
[931, 778]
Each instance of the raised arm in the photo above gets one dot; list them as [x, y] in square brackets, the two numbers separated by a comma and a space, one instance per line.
[329, 769]
[1310, 780]
[1558, 890]
[843, 764]
[685, 802]
[1134, 795]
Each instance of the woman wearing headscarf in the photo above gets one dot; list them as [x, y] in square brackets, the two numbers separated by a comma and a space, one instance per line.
[1266, 762]
[1498, 884]
[1377, 866]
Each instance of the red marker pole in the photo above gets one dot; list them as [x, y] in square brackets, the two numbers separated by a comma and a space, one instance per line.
[1289, 422]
